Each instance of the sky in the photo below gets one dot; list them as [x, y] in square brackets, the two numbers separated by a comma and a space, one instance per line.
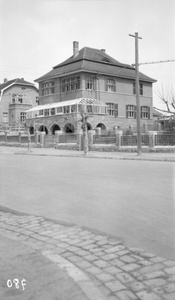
[36, 35]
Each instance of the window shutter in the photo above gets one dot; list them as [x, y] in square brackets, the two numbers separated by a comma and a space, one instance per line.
[126, 111]
[114, 87]
[148, 112]
[135, 111]
[116, 110]
[141, 111]
[106, 85]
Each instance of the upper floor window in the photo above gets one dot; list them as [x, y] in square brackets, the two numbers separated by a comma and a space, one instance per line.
[112, 109]
[46, 112]
[110, 85]
[17, 98]
[37, 100]
[22, 116]
[145, 112]
[90, 83]
[5, 117]
[130, 111]
[70, 84]
[52, 111]
[140, 88]
[48, 88]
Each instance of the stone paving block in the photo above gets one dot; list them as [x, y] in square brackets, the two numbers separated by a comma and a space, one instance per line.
[115, 249]
[74, 241]
[115, 285]
[101, 263]
[136, 286]
[171, 278]
[170, 270]
[123, 252]
[126, 295]
[144, 263]
[156, 282]
[148, 295]
[169, 263]
[104, 277]
[108, 256]
[157, 259]
[112, 270]
[96, 249]
[99, 253]
[83, 264]
[158, 290]
[156, 274]
[117, 262]
[130, 267]
[127, 259]
[84, 243]
[169, 296]
[81, 252]
[99, 237]
[102, 242]
[170, 288]
[89, 247]
[124, 277]
[105, 291]
[66, 254]
[73, 248]
[147, 255]
[90, 257]
[152, 268]
[94, 270]
[74, 258]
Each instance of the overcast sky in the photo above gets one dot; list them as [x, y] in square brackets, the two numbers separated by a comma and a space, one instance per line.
[38, 34]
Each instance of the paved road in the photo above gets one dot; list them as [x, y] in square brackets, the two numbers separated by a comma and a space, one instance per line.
[130, 199]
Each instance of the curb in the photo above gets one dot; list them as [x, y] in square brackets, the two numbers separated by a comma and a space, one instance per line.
[98, 157]
[82, 280]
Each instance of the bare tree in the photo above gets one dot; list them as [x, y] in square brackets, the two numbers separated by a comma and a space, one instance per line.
[84, 116]
[167, 96]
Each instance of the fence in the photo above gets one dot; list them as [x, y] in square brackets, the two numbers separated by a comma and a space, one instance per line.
[104, 139]
[165, 140]
[67, 138]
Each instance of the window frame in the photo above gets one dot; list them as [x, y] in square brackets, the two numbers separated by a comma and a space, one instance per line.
[110, 85]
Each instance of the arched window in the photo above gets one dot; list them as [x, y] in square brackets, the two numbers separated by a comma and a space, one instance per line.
[43, 128]
[69, 128]
[54, 128]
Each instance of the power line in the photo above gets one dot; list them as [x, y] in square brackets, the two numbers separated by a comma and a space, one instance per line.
[156, 62]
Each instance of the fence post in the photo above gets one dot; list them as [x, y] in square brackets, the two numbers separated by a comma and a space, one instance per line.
[98, 130]
[79, 139]
[152, 139]
[119, 138]
[5, 136]
[19, 138]
[145, 128]
[90, 136]
[57, 139]
[42, 136]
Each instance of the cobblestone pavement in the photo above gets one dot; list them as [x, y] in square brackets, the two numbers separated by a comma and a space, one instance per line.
[116, 271]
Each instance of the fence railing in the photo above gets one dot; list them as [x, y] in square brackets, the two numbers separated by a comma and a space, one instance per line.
[104, 139]
[68, 138]
[164, 140]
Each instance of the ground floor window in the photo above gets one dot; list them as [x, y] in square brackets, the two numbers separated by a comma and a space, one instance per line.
[130, 111]
[112, 109]
[145, 112]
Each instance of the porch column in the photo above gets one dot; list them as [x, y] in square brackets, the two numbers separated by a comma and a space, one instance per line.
[152, 139]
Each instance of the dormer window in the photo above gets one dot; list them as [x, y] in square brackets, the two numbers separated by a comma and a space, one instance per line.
[104, 59]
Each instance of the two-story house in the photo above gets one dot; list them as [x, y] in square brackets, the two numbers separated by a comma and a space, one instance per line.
[91, 75]
[16, 96]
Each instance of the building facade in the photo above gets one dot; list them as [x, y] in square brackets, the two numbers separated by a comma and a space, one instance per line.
[92, 74]
[16, 96]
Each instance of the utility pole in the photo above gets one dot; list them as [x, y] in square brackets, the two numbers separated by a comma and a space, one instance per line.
[139, 150]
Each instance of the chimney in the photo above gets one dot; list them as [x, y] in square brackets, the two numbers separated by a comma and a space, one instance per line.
[5, 80]
[103, 50]
[75, 48]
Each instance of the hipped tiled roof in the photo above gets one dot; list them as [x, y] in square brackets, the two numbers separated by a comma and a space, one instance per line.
[15, 81]
[95, 61]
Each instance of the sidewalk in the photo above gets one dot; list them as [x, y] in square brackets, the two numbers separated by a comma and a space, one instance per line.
[91, 154]
[64, 261]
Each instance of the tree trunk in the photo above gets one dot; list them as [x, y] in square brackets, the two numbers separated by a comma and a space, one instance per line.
[85, 140]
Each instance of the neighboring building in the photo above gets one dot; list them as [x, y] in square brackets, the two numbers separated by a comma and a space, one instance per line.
[93, 74]
[16, 96]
